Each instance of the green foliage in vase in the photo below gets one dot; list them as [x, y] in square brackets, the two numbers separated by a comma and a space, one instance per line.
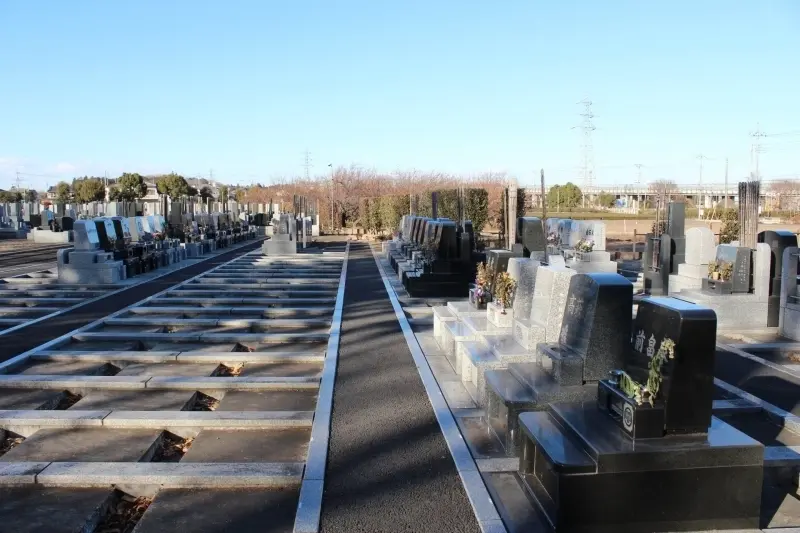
[649, 391]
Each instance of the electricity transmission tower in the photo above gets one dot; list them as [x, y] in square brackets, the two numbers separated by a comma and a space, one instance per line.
[587, 149]
[638, 173]
[307, 164]
[755, 149]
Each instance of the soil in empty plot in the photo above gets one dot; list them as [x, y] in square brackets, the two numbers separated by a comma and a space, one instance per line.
[11, 440]
[228, 371]
[171, 448]
[124, 512]
[204, 402]
[67, 400]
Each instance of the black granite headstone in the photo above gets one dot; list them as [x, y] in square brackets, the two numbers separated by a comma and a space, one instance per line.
[531, 235]
[65, 223]
[684, 397]
[103, 236]
[778, 241]
[497, 262]
[741, 280]
[446, 244]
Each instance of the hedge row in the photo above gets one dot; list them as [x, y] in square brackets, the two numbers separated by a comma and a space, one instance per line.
[385, 212]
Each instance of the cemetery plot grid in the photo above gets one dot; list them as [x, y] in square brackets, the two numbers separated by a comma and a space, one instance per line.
[194, 394]
[36, 296]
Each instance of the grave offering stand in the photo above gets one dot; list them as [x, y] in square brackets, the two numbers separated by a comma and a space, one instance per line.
[647, 455]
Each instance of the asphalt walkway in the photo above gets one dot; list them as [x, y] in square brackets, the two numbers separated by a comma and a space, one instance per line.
[389, 468]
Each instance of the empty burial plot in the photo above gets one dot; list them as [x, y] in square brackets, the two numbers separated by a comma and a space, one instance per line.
[206, 392]
[29, 297]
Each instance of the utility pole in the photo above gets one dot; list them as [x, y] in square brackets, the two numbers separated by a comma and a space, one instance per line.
[544, 198]
[331, 198]
[726, 183]
[701, 157]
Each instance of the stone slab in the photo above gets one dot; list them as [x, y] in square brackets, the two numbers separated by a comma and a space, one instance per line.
[28, 399]
[299, 400]
[135, 400]
[21, 472]
[72, 382]
[249, 446]
[171, 475]
[51, 510]
[282, 369]
[65, 368]
[106, 356]
[168, 369]
[242, 511]
[49, 418]
[252, 357]
[89, 444]
[222, 419]
[238, 383]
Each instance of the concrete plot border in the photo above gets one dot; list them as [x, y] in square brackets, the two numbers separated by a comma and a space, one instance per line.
[126, 287]
[482, 505]
[309, 507]
[23, 357]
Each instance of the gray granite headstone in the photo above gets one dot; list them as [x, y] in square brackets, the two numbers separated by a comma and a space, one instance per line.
[523, 271]
[597, 322]
[699, 246]
[564, 229]
[549, 299]
[85, 233]
[595, 232]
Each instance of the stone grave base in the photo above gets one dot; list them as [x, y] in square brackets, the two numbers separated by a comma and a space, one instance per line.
[733, 311]
[279, 247]
[574, 452]
[45, 236]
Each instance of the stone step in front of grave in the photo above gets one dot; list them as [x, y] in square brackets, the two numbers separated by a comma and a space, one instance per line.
[206, 387]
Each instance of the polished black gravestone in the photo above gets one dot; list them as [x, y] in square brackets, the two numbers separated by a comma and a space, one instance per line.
[595, 334]
[665, 252]
[530, 233]
[622, 464]
[64, 223]
[444, 274]
[778, 241]
[741, 281]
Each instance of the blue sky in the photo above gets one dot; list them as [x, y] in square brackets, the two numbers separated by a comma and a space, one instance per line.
[245, 87]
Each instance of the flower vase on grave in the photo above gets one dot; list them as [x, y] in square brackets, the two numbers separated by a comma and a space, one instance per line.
[478, 297]
[499, 312]
[498, 315]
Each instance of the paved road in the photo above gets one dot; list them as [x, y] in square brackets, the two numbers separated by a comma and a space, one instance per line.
[389, 468]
